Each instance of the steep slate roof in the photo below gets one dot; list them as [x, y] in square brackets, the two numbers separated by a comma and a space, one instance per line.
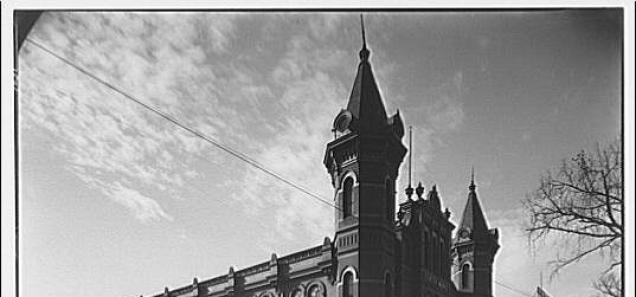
[473, 217]
[365, 103]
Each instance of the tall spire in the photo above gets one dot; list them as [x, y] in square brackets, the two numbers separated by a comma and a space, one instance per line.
[473, 217]
[365, 103]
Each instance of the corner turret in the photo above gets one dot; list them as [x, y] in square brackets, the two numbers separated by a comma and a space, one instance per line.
[474, 248]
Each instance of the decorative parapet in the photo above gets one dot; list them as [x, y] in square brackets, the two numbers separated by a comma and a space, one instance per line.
[253, 270]
[272, 277]
[254, 276]
[216, 284]
[264, 276]
[327, 259]
[302, 255]
[186, 291]
[229, 283]
[303, 262]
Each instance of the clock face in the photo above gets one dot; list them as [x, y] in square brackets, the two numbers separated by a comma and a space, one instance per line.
[464, 233]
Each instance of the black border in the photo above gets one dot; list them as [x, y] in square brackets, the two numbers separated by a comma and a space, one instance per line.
[324, 10]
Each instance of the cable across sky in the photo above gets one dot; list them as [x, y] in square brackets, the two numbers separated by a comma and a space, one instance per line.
[239, 155]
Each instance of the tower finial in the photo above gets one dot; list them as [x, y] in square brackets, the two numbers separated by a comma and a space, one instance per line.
[472, 178]
[364, 52]
[364, 38]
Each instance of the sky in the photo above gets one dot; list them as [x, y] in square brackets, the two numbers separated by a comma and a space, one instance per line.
[116, 201]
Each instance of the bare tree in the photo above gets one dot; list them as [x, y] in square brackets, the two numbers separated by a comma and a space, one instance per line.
[609, 285]
[582, 203]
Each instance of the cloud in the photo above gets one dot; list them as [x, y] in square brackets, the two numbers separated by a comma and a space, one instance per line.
[441, 113]
[446, 113]
[309, 98]
[177, 65]
[156, 57]
[144, 208]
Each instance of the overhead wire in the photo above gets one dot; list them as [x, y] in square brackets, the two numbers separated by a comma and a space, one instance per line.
[193, 187]
[233, 152]
[241, 156]
[513, 289]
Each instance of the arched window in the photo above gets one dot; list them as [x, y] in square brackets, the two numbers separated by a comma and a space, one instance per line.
[347, 285]
[388, 196]
[388, 286]
[347, 197]
[466, 276]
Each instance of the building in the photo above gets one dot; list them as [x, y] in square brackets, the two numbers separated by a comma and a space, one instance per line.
[373, 254]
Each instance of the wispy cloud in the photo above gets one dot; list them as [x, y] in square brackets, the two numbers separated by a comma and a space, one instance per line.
[440, 113]
[309, 98]
[177, 65]
[137, 157]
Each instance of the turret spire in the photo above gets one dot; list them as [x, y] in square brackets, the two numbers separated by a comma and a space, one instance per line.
[365, 104]
[364, 52]
[473, 217]
[364, 38]
[474, 244]
[472, 186]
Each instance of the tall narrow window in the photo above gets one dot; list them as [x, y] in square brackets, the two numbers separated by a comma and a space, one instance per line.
[465, 276]
[388, 286]
[347, 285]
[347, 197]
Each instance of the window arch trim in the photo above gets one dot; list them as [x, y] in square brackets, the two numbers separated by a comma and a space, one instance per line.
[348, 186]
[351, 269]
[465, 275]
[351, 174]
[317, 284]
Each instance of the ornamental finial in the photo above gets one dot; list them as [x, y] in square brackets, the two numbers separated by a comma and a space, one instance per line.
[472, 178]
[364, 52]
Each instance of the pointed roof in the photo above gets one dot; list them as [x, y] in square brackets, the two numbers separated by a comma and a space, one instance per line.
[433, 198]
[365, 103]
[473, 217]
